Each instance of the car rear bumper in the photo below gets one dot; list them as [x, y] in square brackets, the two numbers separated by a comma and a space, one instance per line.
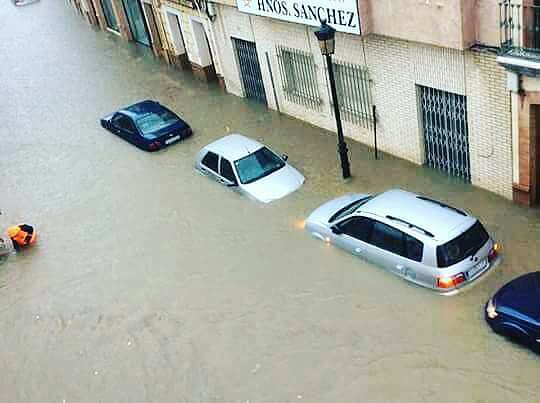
[480, 276]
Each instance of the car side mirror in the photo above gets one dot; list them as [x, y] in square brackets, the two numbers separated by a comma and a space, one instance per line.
[230, 183]
[336, 230]
[284, 157]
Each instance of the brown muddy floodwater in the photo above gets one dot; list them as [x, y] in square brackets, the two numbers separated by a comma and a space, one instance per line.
[151, 283]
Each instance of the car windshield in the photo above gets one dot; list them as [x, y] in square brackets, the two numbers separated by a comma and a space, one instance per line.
[154, 121]
[350, 208]
[465, 245]
[257, 165]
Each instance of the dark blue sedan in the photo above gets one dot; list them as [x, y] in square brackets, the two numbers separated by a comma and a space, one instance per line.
[514, 311]
[148, 125]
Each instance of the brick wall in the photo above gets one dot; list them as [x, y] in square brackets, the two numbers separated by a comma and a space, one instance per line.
[396, 67]
[490, 126]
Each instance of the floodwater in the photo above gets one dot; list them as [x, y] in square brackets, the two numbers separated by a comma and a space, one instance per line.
[152, 283]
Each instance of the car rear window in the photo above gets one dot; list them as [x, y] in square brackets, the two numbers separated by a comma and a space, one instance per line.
[153, 121]
[465, 245]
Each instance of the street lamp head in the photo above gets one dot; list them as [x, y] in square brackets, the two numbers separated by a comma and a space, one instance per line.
[325, 36]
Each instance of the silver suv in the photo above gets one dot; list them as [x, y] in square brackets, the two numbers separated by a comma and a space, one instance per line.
[417, 238]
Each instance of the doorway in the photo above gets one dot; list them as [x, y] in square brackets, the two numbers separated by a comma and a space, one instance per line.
[148, 9]
[250, 70]
[206, 69]
[110, 16]
[534, 132]
[180, 57]
[136, 21]
[446, 138]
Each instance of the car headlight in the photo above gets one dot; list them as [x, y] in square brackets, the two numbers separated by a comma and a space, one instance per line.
[490, 310]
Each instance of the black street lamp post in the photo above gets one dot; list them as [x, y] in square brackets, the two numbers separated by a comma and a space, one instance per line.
[325, 36]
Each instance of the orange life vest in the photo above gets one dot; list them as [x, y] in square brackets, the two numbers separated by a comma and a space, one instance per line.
[22, 234]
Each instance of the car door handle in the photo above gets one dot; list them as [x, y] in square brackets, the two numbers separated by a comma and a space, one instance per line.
[400, 268]
[359, 250]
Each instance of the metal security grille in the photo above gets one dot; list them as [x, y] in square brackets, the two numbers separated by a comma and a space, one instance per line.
[298, 77]
[444, 118]
[250, 70]
[354, 93]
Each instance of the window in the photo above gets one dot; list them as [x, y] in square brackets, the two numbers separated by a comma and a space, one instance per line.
[350, 208]
[156, 120]
[414, 249]
[226, 170]
[388, 238]
[123, 123]
[255, 166]
[210, 160]
[466, 244]
[357, 227]
[353, 92]
[391, 239]
[298, 77]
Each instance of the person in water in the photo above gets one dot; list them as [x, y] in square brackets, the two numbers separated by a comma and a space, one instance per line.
[22, 235]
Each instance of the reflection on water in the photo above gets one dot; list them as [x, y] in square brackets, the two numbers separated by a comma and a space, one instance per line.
[153, 283]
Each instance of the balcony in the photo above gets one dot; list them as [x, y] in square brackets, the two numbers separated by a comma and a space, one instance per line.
[520, 37]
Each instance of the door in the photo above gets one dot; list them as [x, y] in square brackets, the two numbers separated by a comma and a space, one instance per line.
[180, 57]
[534, 130]
[444, 123]
[354, 233]
[136, 21]
[226, 172]
[400, 253]
[387, 245]
[534, 25]
[110, 17]
[204, 52]
[209, 165]
[123, 126]
[151, 19]
[250, 70]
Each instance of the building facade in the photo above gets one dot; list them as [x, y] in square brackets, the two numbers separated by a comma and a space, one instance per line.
[430, 76]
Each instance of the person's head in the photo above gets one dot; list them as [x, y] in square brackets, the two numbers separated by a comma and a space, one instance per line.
[13, 231]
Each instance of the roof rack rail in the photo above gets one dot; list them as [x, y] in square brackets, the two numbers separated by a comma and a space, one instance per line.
[424, 198]
[429, 234]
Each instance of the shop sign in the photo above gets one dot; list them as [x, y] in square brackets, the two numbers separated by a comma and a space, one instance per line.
[342, 15]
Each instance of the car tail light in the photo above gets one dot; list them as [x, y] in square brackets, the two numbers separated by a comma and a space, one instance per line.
[450, 281]
[494, 252]
[491, 310]
[154, 145]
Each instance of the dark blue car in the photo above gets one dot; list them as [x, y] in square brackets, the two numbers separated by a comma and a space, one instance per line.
[514, 311]
[148, 125]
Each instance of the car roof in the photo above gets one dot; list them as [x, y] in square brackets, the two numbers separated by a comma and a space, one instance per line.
[521, 294]
[142, 108]
[234, 146]
[426, 214]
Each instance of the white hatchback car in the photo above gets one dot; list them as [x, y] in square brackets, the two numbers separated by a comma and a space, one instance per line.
[249, 167]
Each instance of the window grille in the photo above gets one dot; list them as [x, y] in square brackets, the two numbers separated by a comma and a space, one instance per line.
[298, 77]
[354, 93]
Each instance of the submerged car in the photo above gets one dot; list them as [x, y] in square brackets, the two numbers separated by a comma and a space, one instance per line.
[148, 125]
[249, 167]
[417, 238]
[514, 310]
